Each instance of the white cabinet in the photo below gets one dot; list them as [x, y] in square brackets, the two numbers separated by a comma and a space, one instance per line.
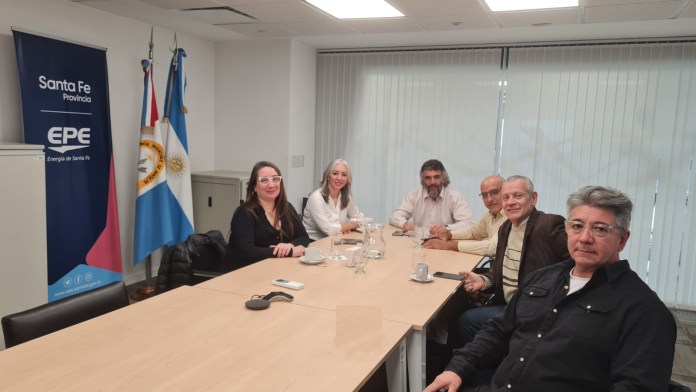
[216, 194]
[23, 267]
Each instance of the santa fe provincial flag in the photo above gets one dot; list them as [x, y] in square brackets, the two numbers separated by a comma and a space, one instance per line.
[178, 167]
[153, 222]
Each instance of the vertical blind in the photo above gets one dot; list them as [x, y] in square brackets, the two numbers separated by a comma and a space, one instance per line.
[388, 112]
[619, 115]
[613, 115]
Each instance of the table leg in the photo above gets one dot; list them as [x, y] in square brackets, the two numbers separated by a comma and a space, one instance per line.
[415, 352]
[396, 369]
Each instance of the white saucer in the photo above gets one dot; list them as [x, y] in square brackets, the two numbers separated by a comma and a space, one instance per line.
[321, 260]
[429, 279]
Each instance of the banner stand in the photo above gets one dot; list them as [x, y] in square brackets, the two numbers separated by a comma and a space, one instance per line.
[64, 94]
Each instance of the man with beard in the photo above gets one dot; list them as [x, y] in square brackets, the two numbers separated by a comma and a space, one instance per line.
[434, 203]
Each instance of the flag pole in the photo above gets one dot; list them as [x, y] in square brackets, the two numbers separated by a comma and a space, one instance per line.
[148, 288]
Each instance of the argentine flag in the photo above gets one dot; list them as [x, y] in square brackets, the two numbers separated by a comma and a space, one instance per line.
[178, 167]
[153, 222]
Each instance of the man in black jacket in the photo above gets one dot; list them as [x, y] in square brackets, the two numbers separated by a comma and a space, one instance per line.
[529, 240]
[586, 324]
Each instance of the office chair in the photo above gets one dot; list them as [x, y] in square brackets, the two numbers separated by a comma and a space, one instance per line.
[304, 205]
[53, 316]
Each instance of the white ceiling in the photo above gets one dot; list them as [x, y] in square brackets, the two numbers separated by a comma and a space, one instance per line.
[427, 22]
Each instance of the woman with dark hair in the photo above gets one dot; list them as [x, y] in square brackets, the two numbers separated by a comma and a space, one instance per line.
[331, 207]
[266, 225]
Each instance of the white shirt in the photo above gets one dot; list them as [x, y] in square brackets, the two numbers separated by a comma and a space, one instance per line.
[449, 209]
[319, 215]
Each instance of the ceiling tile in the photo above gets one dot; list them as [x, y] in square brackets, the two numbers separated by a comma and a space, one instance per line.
[378, 26]
[284, 12]
[258, 29]
[454, 22]
[532, 18]
[690, 12]
[593, 3]
[419, 8]
[632, 12]
[234, 3]
[218, 16]
[181, 4]
[317, 28]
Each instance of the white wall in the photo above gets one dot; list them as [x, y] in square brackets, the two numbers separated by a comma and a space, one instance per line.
[303, 81]
[264, 109]
[127, 43]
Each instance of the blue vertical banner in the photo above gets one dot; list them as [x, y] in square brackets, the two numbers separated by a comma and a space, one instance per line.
[65, 107]
[178, 167]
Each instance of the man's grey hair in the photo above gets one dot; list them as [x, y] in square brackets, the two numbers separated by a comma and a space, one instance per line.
[605, 198]
[527, 183]
[434, 164]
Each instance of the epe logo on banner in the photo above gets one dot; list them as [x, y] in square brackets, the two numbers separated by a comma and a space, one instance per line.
[61, 136]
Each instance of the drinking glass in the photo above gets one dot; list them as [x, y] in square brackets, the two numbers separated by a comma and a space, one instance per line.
[419, 234]
[360, 262]
[416, 238]
[335, 234]
[423, 233]
[417, 258]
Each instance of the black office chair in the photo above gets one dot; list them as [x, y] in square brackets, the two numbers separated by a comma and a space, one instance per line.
[304, 205]
[53, 316]
[676, 386]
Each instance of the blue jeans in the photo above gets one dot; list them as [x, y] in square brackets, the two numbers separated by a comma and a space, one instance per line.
[463, 328]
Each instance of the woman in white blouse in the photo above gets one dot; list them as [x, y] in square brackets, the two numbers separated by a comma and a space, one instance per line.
[331, 205]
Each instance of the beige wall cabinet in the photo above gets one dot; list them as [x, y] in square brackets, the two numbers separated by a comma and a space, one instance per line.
[23, 269]
[216, 194]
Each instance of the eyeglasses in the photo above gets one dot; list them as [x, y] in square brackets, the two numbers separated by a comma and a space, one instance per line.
[493, 193]
[597, 230]
[267, 180]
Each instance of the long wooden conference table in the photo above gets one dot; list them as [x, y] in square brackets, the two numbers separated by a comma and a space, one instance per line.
[203, 338]
[386, 284]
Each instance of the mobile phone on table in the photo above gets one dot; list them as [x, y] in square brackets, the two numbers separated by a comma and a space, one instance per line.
[447, 275]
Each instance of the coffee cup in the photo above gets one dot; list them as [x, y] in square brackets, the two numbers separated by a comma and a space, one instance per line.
[422, 271]
[312, 254]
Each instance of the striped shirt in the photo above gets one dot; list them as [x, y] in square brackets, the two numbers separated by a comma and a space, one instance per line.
[511, 261]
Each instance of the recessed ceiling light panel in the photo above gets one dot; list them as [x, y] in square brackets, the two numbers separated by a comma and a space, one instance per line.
[517, 5]
[356, 9]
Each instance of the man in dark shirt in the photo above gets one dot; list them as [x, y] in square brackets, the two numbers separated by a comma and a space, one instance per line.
[586, 324]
